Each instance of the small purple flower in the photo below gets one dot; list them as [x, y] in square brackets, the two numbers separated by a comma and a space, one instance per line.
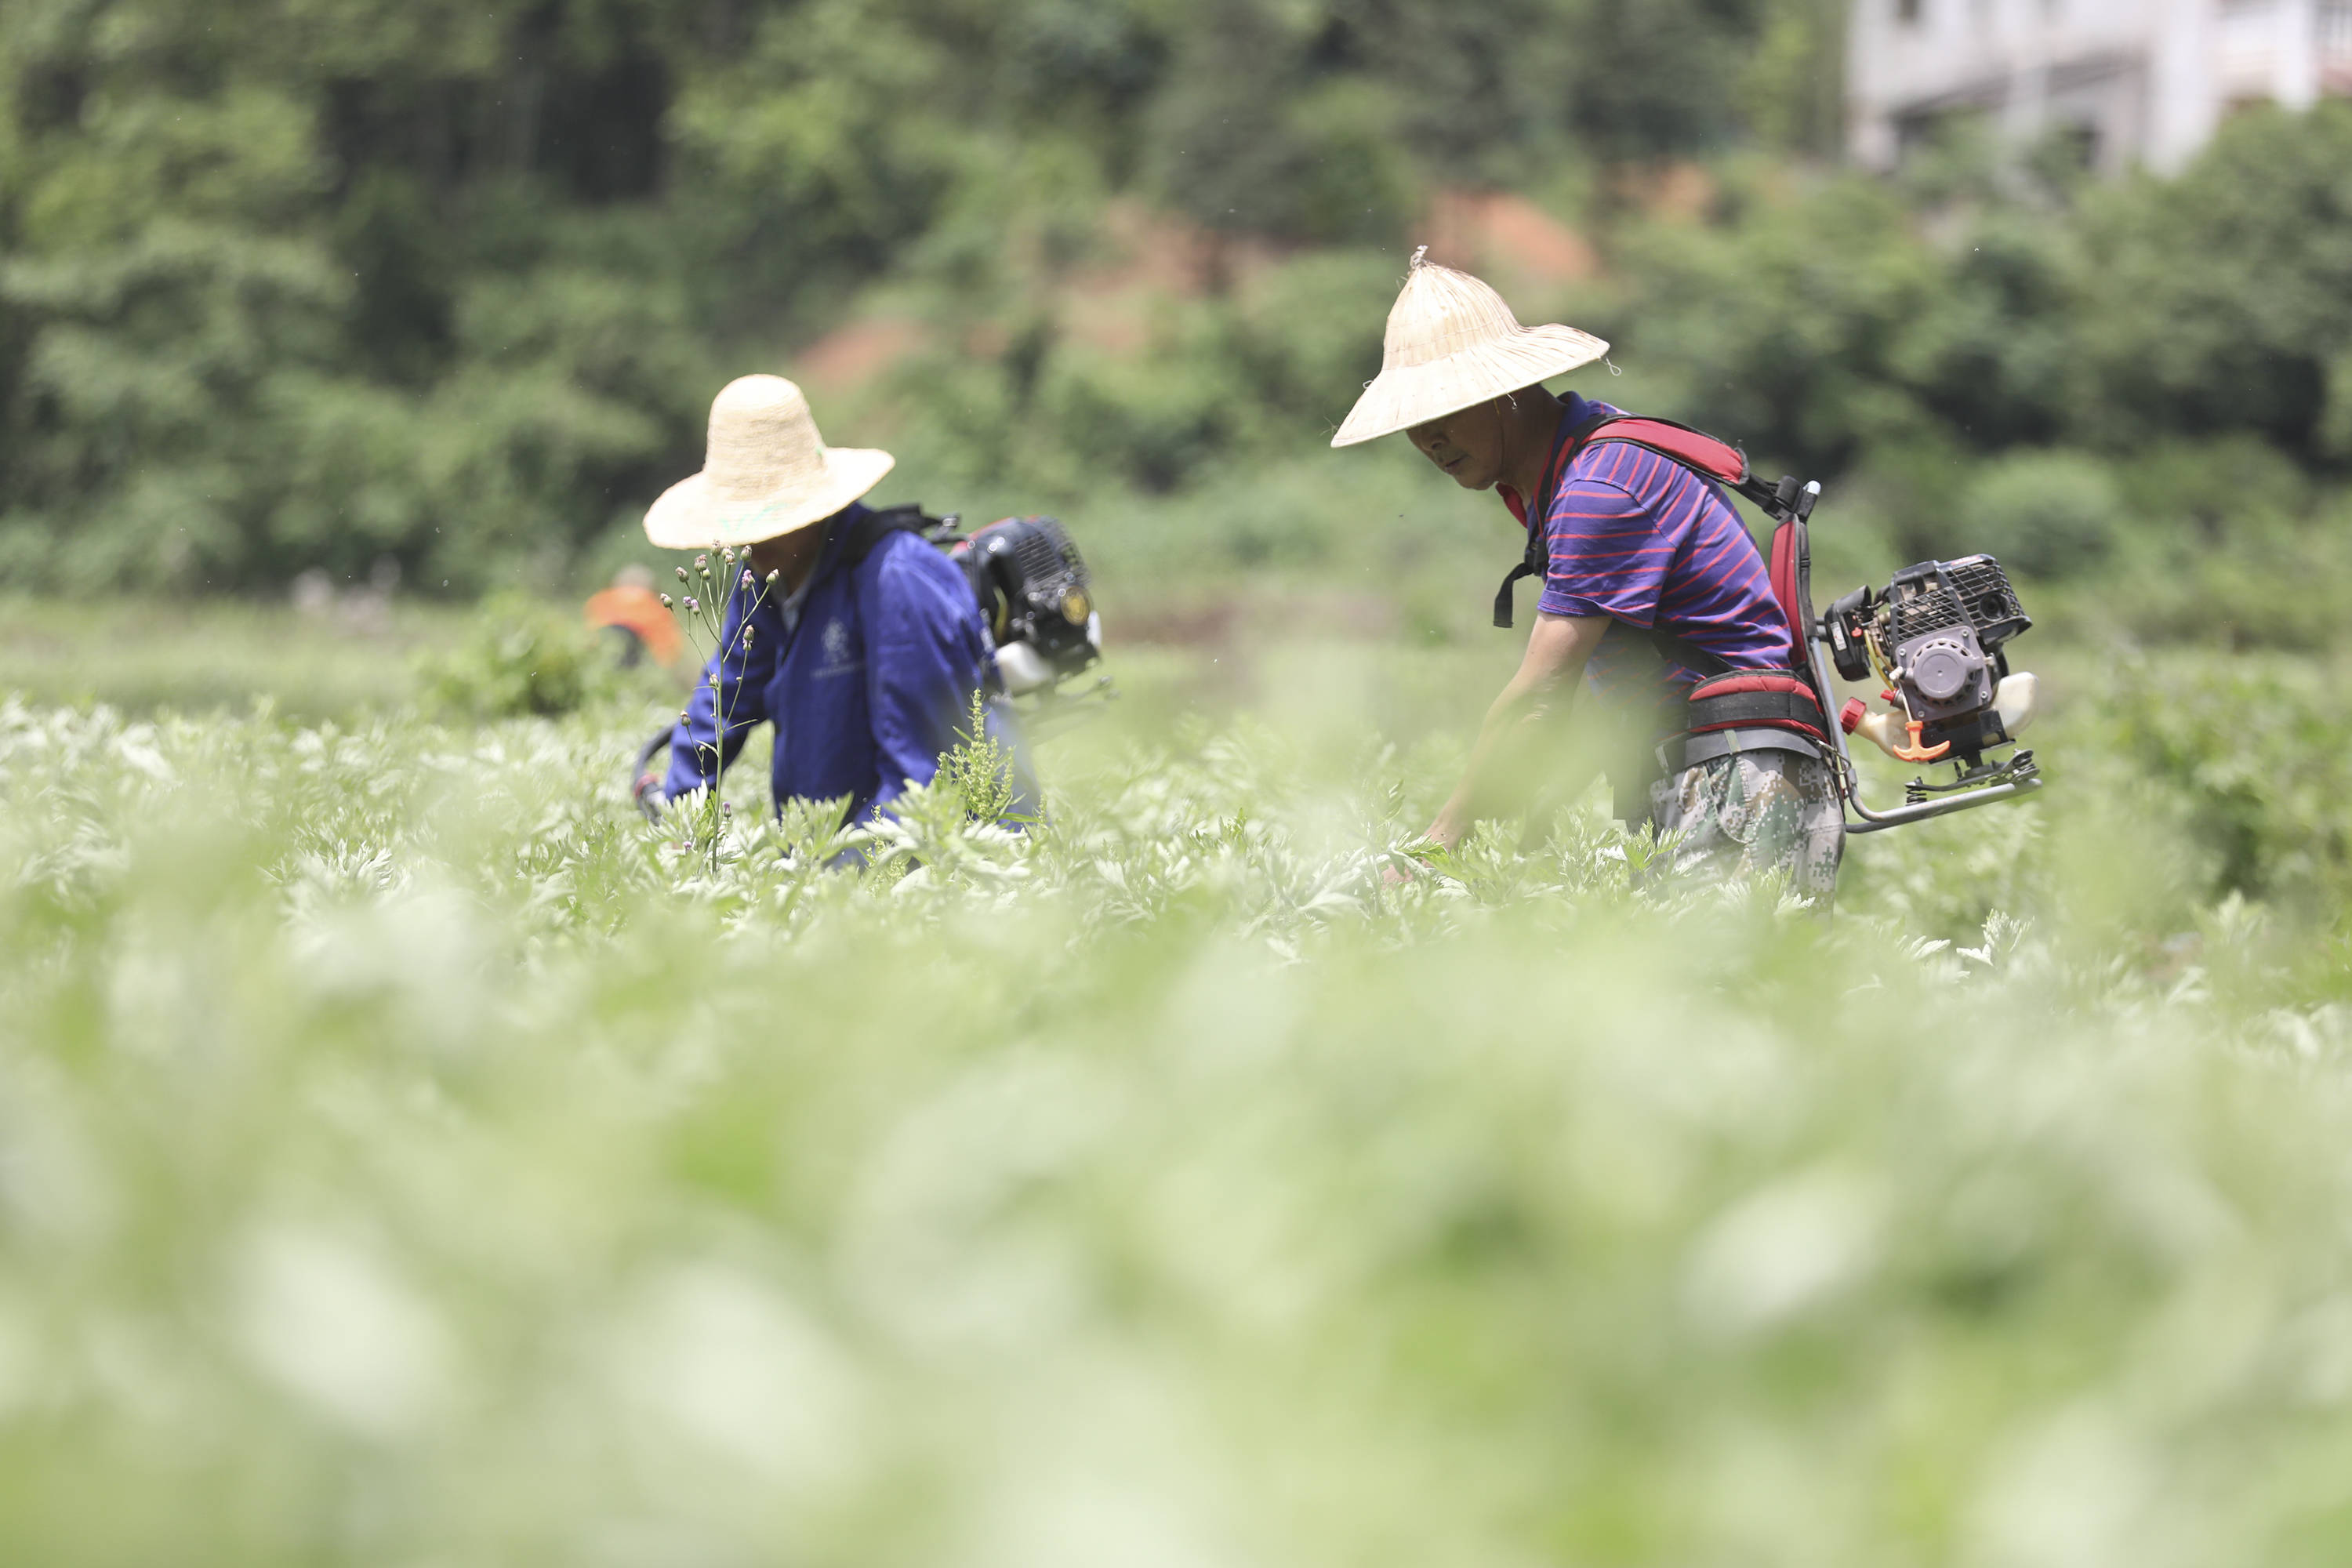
[702, 562]
[681, 573]
[667, 605]
[691, 604]
[747, 579]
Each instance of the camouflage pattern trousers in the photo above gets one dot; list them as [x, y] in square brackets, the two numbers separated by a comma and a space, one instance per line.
[1749, 814]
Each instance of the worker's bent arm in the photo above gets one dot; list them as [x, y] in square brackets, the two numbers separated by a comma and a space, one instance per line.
[1557, 652]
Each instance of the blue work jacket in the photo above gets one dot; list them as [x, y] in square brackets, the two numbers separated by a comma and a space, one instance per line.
[867, 689]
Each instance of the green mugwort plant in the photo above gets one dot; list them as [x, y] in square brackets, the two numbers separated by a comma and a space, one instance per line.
[979, 768]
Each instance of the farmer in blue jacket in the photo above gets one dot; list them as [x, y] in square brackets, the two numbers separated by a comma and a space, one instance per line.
[863, 646]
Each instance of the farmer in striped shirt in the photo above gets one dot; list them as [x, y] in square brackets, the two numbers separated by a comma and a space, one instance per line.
[1649, 570]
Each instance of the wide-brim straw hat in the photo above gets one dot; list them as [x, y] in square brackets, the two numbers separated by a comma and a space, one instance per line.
[766, 472]
[1451, 343]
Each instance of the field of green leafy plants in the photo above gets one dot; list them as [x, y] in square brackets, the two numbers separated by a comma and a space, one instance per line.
[409, 1156]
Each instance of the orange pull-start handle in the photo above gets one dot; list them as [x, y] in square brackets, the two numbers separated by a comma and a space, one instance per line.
[1915, 752]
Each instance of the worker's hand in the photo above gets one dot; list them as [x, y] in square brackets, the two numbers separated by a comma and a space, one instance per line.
[646, 792]
[1398, 872]
[646, 784]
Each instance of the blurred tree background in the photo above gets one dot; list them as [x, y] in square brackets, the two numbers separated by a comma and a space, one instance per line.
[296, 284]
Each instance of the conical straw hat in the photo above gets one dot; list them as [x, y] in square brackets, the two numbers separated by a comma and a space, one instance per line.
[766, 472]
[1452, 343]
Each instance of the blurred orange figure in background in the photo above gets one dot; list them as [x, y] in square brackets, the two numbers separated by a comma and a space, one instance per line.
[631, 609]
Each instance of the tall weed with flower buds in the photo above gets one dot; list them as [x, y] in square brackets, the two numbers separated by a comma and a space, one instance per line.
[703, 615]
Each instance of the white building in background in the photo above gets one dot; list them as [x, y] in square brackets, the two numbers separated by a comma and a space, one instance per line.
[2134, 81]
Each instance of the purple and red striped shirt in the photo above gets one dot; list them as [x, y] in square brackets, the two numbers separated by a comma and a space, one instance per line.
[1646, 543]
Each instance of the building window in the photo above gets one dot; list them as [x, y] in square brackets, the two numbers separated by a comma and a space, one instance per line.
[2075, 146]
[2250, 41]
[2336, 35]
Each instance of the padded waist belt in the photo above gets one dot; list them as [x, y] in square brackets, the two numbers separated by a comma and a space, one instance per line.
[1680, 752]
[1733, 708]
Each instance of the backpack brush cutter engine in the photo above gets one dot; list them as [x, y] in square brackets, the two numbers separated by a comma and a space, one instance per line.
[1935, 638]
[1034, 591]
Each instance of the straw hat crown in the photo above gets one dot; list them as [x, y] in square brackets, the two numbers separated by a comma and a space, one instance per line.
[765, 472]
[1452, 342]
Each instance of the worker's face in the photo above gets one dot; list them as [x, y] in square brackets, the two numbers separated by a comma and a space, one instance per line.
[1467, 444]
[787, 553]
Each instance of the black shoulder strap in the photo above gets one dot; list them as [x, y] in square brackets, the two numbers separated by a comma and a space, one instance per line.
[876, 525]
[1536, 560]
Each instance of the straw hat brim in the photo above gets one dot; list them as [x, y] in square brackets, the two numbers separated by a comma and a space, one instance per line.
[688, 517]
[1403, 396]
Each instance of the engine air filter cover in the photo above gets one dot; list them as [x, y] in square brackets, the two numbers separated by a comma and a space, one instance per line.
[1942, 666]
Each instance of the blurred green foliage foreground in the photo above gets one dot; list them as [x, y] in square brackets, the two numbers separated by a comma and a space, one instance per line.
[409, 1156]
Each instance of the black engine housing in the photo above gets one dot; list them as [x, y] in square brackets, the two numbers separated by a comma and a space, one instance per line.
[1939, 630]
[1033, 587]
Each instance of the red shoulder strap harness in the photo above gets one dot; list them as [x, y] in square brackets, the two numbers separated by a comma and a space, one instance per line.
[1731, 698]
[1703, 455]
